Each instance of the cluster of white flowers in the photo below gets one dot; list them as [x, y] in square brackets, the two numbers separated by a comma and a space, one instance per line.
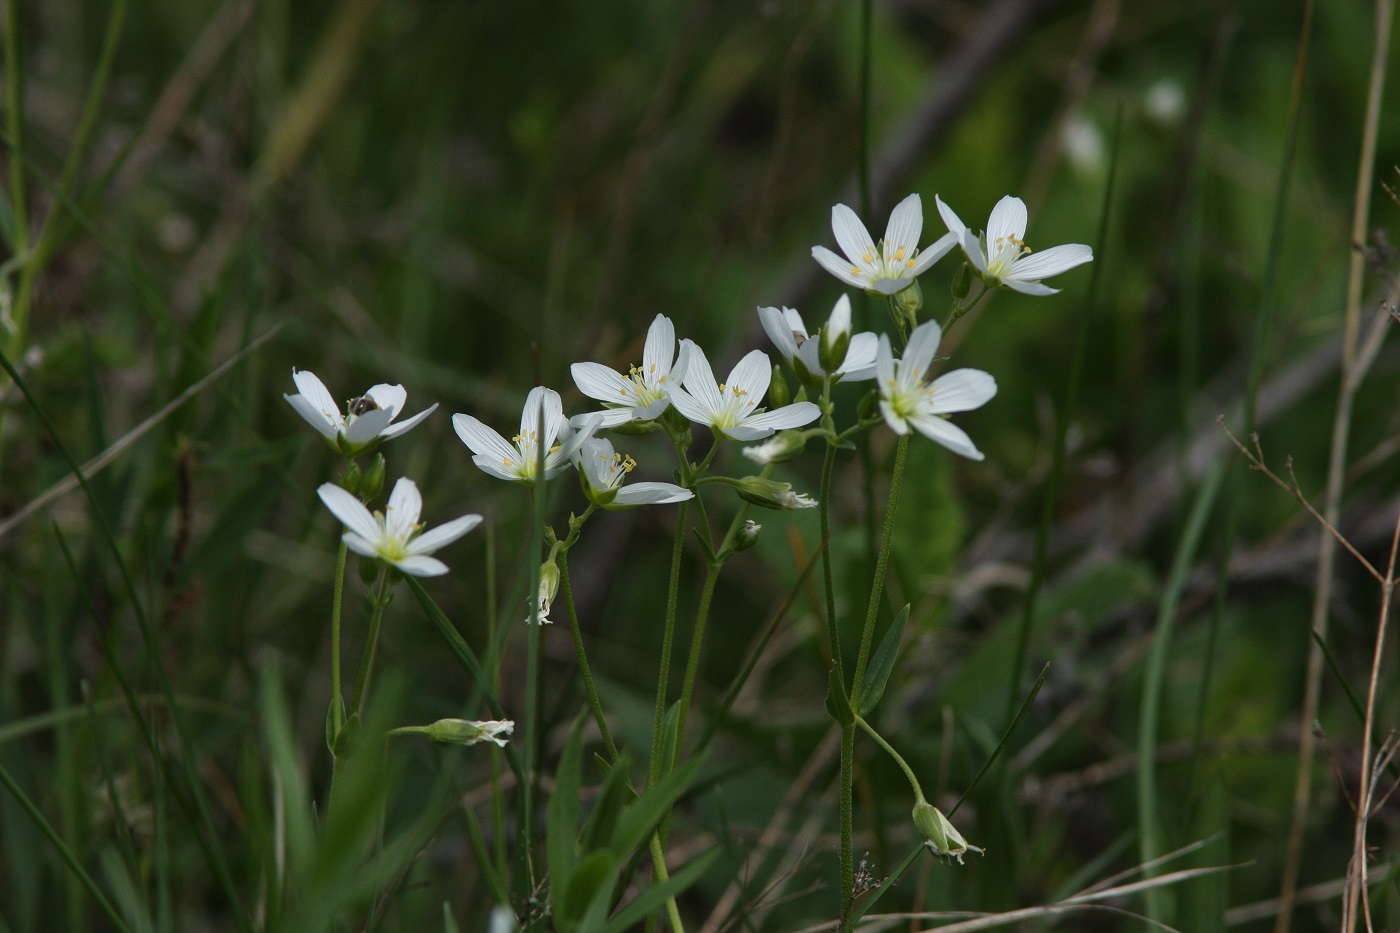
[678, 376]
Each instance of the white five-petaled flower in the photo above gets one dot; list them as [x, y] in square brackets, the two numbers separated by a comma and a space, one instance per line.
[890, 266]
[644, 392]
[732, 408]
[604, 471]
[906, 400]
[1001, 256]
[542, 426]
[366, 421]
[803, 350]
[394, 536]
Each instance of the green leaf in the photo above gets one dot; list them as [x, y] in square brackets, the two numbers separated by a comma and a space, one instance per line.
[331, 732]
[837, 703]
[669, 740]
[653, 897]
[639, 819]
[345, 739]
[878, 673]
[449, 925]
[616, 793]
[592, 880]
[561, 828]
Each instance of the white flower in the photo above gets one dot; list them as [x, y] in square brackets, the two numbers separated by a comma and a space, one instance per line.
[803, 350]
[907, 401]
[1001, 256]
[891, 266]
[783, 446]
[542, 425]
[469, 731]
[644, 392]
[394, 536]
[545, 593]
[603, 471]
[366, 421]
[732, 409]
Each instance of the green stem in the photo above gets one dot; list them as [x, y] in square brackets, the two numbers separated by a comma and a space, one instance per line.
[567, 590]
[337, 699]
[848, 744]
[372, 646]
[833, 631]
[668, 632]
[692, 665]
[899, 759]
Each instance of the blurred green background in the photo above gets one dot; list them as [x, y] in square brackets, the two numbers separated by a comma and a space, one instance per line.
[468, 197]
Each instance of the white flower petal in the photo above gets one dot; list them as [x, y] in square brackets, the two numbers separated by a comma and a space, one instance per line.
[701, 384]
[936, 251]
[962, 390]
[919, 353]
[691, 407]
[443, 535]
[852, 237]
[483, 441]
[401, 514]
[389, 397]
[765, 423]
[494, 466]
[360, 545]
[1030, 288]
[403, 427]
[841, 268]
[537, 410]
[601, 382]
[884, 364]
[889, 287]
[948, 435]
[897, 424]
[752, 374]
[860, 358]
[368, 426]
[950, 219]
[660, 346]
[576, 439]
[350, 510]
[651, 494]
[417, 565]
[1050, 262]
[779, 330]
[905, 225]
[677, 374]
[314, 390]
[1007, 223]
[972, 248]
[313, 415]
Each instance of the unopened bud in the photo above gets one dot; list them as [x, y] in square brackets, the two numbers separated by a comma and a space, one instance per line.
[836, 336]
[962, 283]
[549, 587]
[747, 536]
[467, 732]
[778, 392]
[909, 302]
[869, 405]
[939, 834]
[352, 479]
[374, 478]
[771, 494]
[785, 445]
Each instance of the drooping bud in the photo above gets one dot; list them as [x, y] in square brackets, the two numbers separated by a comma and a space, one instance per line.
[747, 536]
[468, 732]
[374, 478]
[771, 494]
[783, 446]
[549, 587]
[939, 834]
[836, 336]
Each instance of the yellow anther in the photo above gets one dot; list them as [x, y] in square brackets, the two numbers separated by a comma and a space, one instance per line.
[868, 257]
[899, 253]
[855, 271]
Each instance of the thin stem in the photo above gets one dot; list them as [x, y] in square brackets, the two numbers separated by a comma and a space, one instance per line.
[862, 659]
[697, 639]
[658, 859]
[337, 699]
[898, 758]
[668, 632]
[563, 562]
[833, 631]
[381, 599]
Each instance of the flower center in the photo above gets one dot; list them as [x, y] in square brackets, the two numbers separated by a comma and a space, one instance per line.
[615, 469]
[528, 444]
[1003, 251]
[736, 406]
[645, 385]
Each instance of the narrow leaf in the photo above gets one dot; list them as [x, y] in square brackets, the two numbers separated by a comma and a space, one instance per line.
[878, 674]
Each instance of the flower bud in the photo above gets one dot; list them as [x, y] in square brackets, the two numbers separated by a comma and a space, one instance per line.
[374, 478]
[783, 446]
[939, 834]
[779, 394]
[747, 536]
[352, 478]
[771, 494]
[836, 336]
[549, 587]
[962, 283]
[869, 405]
[467, 732]
[909, 302]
